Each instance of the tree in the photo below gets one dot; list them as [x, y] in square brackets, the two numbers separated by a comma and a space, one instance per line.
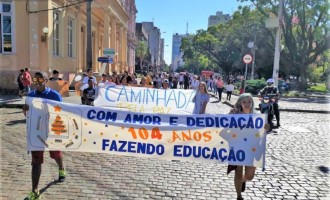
[305, 32]
[141, 52]
[225, 44]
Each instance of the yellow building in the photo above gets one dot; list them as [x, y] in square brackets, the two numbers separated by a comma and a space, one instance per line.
[24, 43]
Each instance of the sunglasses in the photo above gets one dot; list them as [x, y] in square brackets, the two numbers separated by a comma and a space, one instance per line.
[40, 80]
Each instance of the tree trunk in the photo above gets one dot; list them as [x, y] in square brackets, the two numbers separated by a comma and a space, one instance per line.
[303, 79]
[327, 81]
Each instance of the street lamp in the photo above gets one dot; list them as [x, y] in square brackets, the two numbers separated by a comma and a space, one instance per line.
[45, 34]
[277, 44]
[252, 45]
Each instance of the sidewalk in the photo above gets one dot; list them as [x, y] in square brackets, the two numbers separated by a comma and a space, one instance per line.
[292, 104]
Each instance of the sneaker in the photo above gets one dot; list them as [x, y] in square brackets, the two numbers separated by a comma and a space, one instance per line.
[33, 196]
[61, 175]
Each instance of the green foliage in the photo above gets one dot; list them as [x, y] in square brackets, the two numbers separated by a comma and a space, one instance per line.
[314, 75]
[320, 87]
[304, 40]
[141, 50]
[254, 86]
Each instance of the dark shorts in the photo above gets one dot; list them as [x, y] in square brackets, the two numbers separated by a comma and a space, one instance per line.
[181, 82]
[38, 156]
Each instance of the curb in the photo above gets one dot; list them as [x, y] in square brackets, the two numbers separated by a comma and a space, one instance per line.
[11, 105]
[284, 109]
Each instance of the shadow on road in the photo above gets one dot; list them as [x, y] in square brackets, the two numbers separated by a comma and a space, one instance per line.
[324, 169]
[14, 122]
[306, 100]
[49, 185]
[17, 112]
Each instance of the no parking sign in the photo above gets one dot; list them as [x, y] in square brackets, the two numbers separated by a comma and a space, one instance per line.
[247, 58]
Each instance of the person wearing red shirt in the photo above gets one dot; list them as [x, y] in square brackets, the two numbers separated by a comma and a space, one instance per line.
[27, 81]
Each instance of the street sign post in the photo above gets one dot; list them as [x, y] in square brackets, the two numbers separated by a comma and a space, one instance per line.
[247, 59]
[105, 60]
[108, 52]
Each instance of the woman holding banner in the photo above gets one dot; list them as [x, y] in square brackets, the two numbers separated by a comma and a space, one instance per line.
[201, 99]
[244, 105]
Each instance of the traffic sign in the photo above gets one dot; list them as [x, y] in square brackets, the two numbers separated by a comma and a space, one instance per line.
[247, 58]
[109, 52]
[105, 60]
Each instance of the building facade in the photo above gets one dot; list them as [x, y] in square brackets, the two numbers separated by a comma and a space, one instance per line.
[130, 8]
[177, 60]
[155, 45]
[52, 34]
[218, 18]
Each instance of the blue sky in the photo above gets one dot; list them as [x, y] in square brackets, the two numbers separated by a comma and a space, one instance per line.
[171, 16]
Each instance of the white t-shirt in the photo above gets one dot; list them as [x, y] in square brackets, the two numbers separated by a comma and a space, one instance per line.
[195, 84]
[181, 78]
[85, 80]
[230, 87]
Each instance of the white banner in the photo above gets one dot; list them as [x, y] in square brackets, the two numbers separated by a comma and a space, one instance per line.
[146, 100]
[235, 139]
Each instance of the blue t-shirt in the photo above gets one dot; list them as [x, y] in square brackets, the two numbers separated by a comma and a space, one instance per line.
[48, 93]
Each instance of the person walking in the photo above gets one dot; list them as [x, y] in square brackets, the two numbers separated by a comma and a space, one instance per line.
[186, 81]
[89, 93]
[103, 79]
[55, 76]
[20, 83]
[181, 79]
[215, 89]
[90, 75]
[195, 83]
[41, 91]
[220, 85]
[175, 83]
[201, 99]
[244, 105]
[165, 84]
[27, 81]
[229, 88]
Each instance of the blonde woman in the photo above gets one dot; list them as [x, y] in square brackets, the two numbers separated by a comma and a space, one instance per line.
[244, 105]
[201, 99]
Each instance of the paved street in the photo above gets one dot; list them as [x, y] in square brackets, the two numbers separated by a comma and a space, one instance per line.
[296, 164]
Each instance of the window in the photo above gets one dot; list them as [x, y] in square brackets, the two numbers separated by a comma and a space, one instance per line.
[6, 35]
[56, 34]
[70, 37]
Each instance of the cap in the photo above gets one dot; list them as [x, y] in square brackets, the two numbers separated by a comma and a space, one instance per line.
[270, 80]
[165, 81]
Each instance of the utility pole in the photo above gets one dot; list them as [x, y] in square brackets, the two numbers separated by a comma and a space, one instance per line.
[254, 54]
[89, 52]
[278, 44]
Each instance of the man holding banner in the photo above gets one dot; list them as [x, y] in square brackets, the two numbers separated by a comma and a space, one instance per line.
[41, 91]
